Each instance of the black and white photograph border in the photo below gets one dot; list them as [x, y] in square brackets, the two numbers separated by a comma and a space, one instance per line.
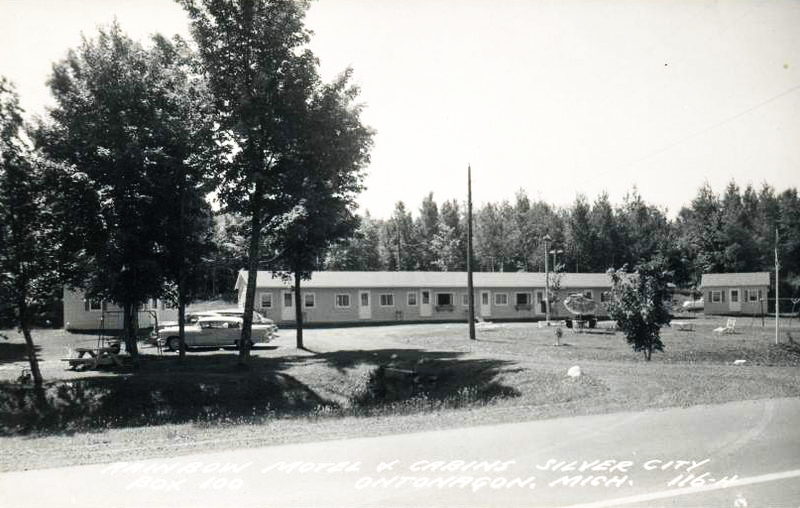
[385, 253]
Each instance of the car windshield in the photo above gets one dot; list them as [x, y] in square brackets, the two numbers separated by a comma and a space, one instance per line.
[257, 317]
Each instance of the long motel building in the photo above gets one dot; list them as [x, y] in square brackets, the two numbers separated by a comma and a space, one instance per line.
[340, 297]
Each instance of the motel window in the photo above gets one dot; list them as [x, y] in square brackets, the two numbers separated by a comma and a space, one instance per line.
[734, 296]
[759, 295]
[426, 297]
[523, 298]
[539, 296]
[444, 299]
[365, 299]
[605, 296]
[716, 296]
[501, 298]
[266, 300]
[588, 294]
[465, 299]
[94, 304]
[387, 300]
[485, 298]
[343, 301]
[411, 298]
[288, 299]
[309, 300]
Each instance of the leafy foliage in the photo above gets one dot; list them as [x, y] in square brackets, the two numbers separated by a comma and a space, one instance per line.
[37, 252]
[639, 305]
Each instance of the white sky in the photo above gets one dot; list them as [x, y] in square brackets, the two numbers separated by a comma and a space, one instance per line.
[556, 97]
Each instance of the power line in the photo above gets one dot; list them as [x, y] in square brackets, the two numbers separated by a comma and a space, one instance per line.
[700, 132]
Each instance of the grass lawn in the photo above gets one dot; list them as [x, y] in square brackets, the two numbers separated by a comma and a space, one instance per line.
[437, 378]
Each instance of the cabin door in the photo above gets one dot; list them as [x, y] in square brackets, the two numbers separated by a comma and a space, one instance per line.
[425, 304]
[287, 306]
[486, 303]
[364, 305]
[736, 301]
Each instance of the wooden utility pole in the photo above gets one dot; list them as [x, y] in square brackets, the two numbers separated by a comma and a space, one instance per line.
[777, 288]
[470, 289]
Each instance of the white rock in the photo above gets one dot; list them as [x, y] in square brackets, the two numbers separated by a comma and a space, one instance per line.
[739, 362]
[574, 371]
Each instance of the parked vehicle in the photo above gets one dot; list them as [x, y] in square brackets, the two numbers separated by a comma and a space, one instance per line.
[216, 328]
[693, 304]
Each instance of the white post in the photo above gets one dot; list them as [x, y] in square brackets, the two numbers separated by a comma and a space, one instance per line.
[777, 288]
[546, 281]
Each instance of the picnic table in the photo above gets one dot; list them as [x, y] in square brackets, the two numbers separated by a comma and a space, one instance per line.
[95, 357]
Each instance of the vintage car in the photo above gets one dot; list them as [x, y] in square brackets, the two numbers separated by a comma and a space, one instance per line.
[213, 329]
[693, 305]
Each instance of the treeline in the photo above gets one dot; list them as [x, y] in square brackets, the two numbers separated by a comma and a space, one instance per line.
[729, 232]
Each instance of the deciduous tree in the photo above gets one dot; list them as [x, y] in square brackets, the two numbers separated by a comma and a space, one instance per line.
[260, 74]
[638, 305]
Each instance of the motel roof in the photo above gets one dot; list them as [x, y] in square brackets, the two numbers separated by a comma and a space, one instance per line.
[334, 279]
[735, 279]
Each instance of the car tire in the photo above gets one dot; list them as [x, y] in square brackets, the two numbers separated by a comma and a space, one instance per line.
[174, 344]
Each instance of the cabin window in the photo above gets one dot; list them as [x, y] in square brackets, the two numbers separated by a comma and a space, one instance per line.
[309, 300]
[266, 300]
[734, 296]
[288, 299]
[485, 298]
[523, 298]
[443, 299]
[605, 296]
[343, 301]
[386, 300]
[588, 294]
[501, 298]
[411, 298]
[716, 296]
[426, 297]
[95, 305]
[465, 299]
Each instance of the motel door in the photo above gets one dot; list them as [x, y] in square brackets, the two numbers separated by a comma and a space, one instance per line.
[364, 307]
[287, 306]
[486, 303]
[736, 302]
[425, 305]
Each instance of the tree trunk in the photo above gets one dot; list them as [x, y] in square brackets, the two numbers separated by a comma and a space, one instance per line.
[252, 274]
[126, 326]
[135, 335]
[30, 349]
[181, 323]
[129, 324]
[181, 271]
[298, 310]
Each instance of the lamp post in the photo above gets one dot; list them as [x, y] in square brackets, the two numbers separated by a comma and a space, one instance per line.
[546, 240]
[555, 252]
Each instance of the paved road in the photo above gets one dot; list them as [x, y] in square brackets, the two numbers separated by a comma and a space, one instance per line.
[738, 454]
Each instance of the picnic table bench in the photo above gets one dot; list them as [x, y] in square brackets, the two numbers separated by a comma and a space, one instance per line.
[94, 357]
